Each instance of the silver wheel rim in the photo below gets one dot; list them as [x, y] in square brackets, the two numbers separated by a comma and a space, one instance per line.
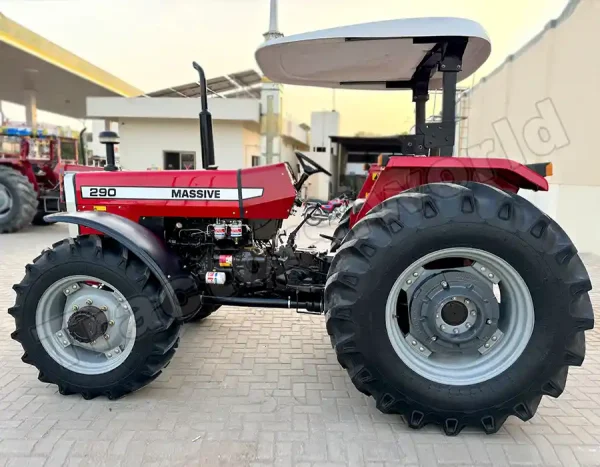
[513, 326]
[6, 202]
[71, 295]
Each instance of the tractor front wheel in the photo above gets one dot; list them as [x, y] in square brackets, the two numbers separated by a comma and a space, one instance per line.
[458, 306]
[91, 317]
[18, 200]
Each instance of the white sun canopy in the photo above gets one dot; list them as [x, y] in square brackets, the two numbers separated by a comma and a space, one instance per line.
[367, 56]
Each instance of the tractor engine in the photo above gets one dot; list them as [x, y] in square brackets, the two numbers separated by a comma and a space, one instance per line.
[234, 257]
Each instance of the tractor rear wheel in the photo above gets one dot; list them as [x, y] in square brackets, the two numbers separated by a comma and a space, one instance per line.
[92, 319]
[18, 200]
[340, 233]
[458, 306]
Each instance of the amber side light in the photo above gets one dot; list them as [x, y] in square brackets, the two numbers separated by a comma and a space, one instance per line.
[549, 169]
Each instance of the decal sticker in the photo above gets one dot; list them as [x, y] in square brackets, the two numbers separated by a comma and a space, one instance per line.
[163, 193]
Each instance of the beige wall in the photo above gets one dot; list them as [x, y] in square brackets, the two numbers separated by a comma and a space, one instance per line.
[143, 142]
[543, 104]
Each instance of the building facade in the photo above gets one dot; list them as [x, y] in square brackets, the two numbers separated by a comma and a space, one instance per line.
[163, 133]
[541, 105]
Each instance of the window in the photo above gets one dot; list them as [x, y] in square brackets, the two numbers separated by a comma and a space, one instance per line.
[255, 161]
[188, 161]
[319, 149]
[175, 160]
[89, 137]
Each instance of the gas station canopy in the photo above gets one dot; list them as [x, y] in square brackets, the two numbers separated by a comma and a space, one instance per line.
[60, 80]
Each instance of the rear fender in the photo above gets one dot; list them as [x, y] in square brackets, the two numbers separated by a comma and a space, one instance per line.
[403, 173]
[139, 240]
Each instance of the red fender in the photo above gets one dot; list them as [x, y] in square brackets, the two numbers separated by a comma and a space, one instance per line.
[403, 173]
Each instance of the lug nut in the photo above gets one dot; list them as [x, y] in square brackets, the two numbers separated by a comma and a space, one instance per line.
[482, 269]
[444, 284]
[117, 350]
[490, 275]
[89, 301]
[415, 274]
[434, 338]
[104, 308]
[455, 331]
[59, 334]
[473, 313]
[125, 307]
[467, 301]
[489, 321]
[409, 281]
[495, 338]
[443, 327]
[111, 323]
[422, 349]
[468, 325]
[74, 287]
[75, 308]
[109, 355]
[67, 292]
[65, 342]
[454, 298]
[106, 336]
[120, 299]
[414, 342]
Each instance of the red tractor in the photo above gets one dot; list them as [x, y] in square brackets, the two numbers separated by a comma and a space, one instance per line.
[30, 173]
[451, 300]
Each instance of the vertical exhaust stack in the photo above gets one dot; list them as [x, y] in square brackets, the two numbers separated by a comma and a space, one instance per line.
[206, 131]
[109, 139]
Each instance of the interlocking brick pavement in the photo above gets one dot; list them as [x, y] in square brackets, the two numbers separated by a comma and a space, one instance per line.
[262, 388]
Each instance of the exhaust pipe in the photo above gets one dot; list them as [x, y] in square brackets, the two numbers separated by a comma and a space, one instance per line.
[206, 131]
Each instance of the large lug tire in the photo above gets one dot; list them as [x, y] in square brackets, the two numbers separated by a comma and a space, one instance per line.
[38, 219]
[18, 200]
[202, 313]
[87, 285]
[522, 245]
[340, 233]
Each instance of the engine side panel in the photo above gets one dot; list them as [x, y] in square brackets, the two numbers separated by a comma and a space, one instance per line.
[403, 173]
[265, 192]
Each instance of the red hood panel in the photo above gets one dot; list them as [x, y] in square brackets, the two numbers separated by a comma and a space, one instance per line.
[264, 192]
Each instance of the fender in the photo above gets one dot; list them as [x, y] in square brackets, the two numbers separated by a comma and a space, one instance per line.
[400, 173]
[137, 239]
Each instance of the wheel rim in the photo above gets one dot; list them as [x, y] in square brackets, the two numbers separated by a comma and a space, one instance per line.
[6, 202]
[85, 325]
[459, 316]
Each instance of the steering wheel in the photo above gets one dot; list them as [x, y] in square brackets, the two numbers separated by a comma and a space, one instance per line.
[309, 166]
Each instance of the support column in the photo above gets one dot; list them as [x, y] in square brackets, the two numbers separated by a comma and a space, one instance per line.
[30, 99]
[271, 114]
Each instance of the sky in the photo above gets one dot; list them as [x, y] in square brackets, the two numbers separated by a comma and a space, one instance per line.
[152, 43]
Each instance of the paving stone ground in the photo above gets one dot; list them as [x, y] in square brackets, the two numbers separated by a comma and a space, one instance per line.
[252, 387]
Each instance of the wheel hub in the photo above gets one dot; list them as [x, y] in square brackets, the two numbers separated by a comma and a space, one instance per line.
[453, 311]
[87, 324]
